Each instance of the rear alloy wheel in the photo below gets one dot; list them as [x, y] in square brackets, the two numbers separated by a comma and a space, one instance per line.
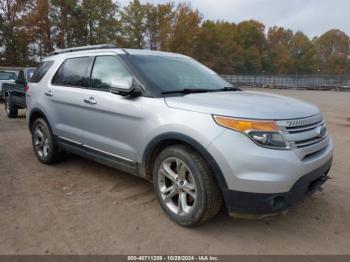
[10, 108]
[185, 186]
[43, 142]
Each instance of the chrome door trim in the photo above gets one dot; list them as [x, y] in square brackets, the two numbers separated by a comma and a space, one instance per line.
[69, 140]
[98, 150]
[107, 153]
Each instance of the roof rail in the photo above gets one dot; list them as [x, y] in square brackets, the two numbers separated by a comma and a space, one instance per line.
[82, 48]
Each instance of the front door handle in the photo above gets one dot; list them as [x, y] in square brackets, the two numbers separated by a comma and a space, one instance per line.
[90, 101]
[49, 92]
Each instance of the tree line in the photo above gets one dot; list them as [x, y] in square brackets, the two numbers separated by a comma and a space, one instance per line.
[30, 29]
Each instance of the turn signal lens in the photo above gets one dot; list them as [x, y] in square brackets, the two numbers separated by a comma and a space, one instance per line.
[244, 125]
[263, 133]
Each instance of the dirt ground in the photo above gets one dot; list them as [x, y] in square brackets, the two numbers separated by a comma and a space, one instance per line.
[81, 207]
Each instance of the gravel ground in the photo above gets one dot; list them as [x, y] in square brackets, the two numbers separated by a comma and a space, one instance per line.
[81, 207]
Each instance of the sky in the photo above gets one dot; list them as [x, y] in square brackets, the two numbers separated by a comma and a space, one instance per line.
[313, 17]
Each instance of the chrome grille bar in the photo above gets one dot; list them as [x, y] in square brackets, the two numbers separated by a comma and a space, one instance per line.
[305, 133]
[304, 128]
[300, 122]
[310, 141]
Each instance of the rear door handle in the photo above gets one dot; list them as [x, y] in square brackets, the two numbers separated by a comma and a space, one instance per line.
[90, 101]
[49, 93]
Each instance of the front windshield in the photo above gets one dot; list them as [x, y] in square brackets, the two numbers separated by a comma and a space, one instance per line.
[176, 74]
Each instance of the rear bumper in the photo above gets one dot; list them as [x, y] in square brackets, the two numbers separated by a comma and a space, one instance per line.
[245, 203]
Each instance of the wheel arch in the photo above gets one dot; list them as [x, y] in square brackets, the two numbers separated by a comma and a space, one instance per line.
[160, 142]
[35, 114]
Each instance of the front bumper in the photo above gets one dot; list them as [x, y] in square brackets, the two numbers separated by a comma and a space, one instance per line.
[246, 204]
[266, 181]
[250, 168]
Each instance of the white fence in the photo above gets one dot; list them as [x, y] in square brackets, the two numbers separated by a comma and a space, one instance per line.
[292, 81]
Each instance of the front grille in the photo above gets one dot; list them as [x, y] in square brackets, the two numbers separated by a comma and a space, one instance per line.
[309, 142]
[309, 134]
[302, 121]
[297, 129]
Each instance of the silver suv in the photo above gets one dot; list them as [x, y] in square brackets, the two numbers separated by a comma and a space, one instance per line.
[168, 119]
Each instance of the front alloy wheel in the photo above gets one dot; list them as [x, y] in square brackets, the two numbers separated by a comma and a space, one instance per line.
[185, 186]
[177, 186]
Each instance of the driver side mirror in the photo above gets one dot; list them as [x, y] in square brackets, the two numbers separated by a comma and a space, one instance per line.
[124, 87]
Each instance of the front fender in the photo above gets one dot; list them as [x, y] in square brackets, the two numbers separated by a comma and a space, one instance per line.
[171, 136]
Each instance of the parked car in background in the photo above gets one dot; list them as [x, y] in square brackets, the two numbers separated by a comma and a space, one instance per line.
[5, 78]
[171, 120]
[14, 93]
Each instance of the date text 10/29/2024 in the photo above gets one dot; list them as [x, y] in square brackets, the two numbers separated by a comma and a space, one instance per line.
[173, 258]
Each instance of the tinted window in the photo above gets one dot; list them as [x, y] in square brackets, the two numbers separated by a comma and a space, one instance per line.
[73, 72]
[39, 72]
[108, 69]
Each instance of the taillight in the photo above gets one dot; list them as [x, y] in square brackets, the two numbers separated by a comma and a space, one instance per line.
[26, 88]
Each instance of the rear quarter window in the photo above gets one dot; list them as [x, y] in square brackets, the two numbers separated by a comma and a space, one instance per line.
[74, 72]
[40, 72]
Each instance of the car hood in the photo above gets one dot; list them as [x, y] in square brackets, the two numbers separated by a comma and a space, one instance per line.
[244, 104]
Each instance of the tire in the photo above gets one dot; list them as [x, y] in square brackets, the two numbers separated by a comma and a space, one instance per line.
[44, 144]
[185, 186]
[10, 108]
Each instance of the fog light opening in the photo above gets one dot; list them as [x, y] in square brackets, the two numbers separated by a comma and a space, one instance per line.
[278, 202]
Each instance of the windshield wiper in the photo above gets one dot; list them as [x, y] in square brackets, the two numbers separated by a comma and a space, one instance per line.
[187, 91]
[200, 90]
[228, 88]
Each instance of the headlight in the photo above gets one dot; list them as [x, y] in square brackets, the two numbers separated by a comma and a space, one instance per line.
[263, 133]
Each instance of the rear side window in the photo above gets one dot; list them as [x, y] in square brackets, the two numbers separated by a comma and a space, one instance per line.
[74, 72]
[39, 72]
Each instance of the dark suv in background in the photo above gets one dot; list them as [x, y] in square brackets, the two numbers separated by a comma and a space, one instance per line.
[14, 93]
